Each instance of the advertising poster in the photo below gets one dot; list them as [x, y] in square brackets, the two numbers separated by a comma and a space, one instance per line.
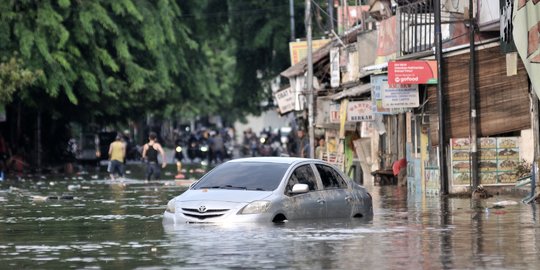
[498, 158]
[413, 72]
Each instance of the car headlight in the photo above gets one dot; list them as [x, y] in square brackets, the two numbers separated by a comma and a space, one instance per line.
[170, 206]
[255, 207]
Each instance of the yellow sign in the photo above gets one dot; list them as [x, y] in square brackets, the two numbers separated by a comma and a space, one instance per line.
[343, 117]
[298, 49]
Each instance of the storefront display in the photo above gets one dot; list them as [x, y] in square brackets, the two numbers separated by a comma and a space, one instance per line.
[498, 158]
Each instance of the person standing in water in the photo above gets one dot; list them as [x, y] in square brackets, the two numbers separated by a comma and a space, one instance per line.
[117, 154]
[150, 153]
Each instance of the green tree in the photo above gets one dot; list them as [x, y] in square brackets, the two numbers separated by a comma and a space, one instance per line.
[109, 62]
[118, 56]
[102, 61]
[259, 32]
[14, 77]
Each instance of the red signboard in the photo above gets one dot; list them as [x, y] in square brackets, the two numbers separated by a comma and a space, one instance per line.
[412, 72]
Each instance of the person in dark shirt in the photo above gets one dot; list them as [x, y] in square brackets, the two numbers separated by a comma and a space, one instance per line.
[150, 153]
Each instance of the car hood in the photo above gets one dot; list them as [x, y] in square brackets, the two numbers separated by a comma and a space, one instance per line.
[225, 195]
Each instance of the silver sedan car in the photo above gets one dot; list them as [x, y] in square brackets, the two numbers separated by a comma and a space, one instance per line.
[270, 189]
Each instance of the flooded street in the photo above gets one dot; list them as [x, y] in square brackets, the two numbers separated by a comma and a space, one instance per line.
[92, 223]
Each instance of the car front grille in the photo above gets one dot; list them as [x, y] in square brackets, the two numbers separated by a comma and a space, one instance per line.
[209, 213]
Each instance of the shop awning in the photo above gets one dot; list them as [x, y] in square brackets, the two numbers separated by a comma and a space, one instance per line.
[352, 92]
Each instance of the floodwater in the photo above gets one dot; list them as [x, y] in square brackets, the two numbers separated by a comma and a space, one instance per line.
[88, 222]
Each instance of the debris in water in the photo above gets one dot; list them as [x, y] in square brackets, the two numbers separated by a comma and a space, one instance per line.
[40, 198]
[73, 187]
[505, 203]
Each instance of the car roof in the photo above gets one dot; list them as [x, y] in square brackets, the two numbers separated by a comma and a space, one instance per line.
[286, 160]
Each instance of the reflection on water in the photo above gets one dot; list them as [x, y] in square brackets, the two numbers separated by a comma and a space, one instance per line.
[100, 224]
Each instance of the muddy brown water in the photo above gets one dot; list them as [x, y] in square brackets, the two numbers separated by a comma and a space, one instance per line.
[97, 224]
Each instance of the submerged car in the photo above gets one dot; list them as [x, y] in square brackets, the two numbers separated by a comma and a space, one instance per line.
[270, 189]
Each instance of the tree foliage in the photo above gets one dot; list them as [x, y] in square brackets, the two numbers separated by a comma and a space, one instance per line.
[107, 62]
[118, 56]
[14, 77]
[110, 60]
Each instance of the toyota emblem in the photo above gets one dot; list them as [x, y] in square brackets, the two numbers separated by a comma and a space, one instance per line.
[202, 209]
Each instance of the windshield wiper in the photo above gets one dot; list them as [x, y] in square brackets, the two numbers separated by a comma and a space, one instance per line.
[224, 187]
[261, 189]
[211, 187]
[233, 187]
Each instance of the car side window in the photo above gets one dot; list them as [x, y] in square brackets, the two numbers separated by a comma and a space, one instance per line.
[302, 175]
[330, 178]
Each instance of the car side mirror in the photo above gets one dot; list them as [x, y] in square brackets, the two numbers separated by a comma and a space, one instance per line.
[300, 188]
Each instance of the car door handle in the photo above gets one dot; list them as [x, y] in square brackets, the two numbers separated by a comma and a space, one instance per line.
[348, 198]
[321, 201]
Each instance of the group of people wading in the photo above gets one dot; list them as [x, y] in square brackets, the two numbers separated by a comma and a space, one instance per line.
[150, 153]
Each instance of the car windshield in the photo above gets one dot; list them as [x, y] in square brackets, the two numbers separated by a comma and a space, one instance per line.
[248, 175]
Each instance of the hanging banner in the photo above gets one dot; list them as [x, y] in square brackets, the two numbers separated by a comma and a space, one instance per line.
[387, 41]
[400, 96]
[359, 111]
[412, 72]
[334, 67]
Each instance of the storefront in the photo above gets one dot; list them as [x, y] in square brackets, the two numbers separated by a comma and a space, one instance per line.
[503, 118]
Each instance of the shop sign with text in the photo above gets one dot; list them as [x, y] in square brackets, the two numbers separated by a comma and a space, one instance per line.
[412, 72]
[378, 83]
[400, 96]
[359, 111]
[286, 100]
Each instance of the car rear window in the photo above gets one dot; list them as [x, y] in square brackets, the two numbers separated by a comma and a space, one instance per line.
[247, 175]
[330, 178]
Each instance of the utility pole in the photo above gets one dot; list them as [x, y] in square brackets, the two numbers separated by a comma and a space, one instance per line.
[440, 100]
[309, 79]
[472, 100]
[291, 12]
